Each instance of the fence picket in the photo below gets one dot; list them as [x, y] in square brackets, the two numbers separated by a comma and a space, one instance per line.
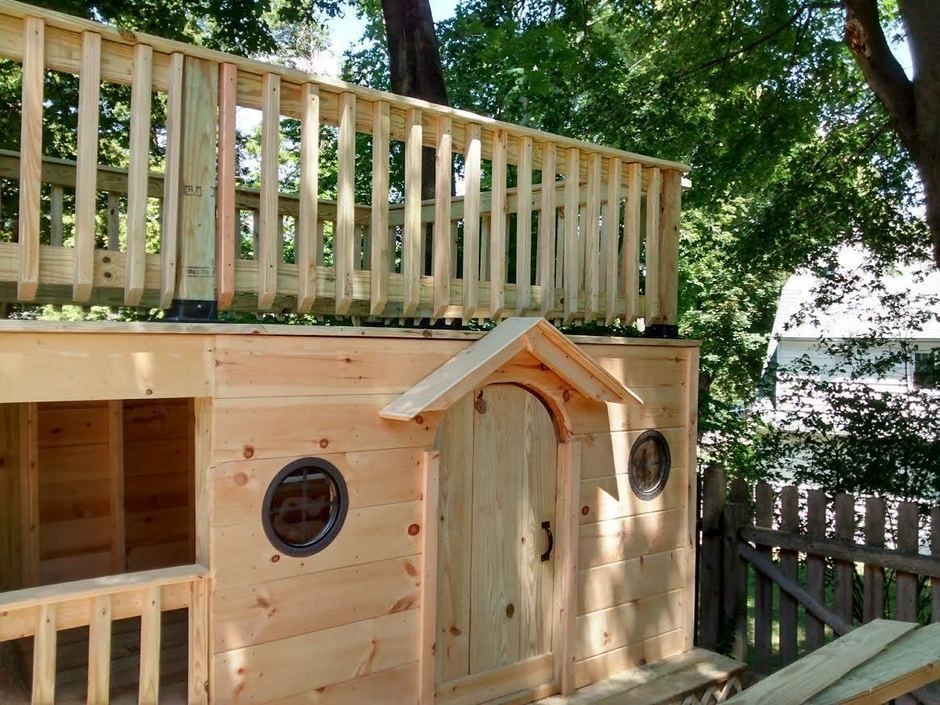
[906, 593]
[763, 595]
[844, 570]
[710, 570]
[815, 566]
[935, 552]
[789, 564]
[873, 598]
[734, 593]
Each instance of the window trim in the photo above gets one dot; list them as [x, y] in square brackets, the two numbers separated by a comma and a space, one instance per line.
[643, 494]
[336, 523]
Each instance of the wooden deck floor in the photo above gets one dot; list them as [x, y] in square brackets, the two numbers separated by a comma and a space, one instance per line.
[697, 677]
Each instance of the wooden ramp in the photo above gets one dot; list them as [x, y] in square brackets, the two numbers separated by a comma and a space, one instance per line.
[870, 665]
[697, 677]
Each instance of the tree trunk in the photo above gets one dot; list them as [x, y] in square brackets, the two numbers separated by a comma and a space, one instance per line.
[913, 105]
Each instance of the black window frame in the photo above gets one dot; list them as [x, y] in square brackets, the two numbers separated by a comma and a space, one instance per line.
[660, 439]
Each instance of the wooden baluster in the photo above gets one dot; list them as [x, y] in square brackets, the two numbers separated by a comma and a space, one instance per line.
[874, 576]
[138, 173]
[31, 157]
[44, 653]
[498, 226]
[815, 566]
[844, 570]
[906, 592]
[764, 587]
[86, 168]
[473, 153]
[591, 237]
[226, 224]
[546, 253]
[267, 254]
[171, 181]
[653, 190]
[670, 212]
[255, 233]
[344, 228]
[572, 198]
[149, 692]
[789, 521]
[611, 236]
[113, 226]
[413, 232]
[442, 253]
[99, 651]
[524, 227]
[630, 252]
[56, 203]
[382, 253]
[198, 643]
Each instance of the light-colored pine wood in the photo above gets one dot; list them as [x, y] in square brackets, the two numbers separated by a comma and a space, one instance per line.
[498, 224]
[30, 158]
[149, 691]
[427, 661]
[171, 183]
[115, 413]
[269, 251]
[44, 656]
[344, 255]
[611, 237]
[29, 492]
[442, 252]
[630, 253]
[383, 255]
[86, 165]
[113, 225]
[621, 625]
[413, 234]
[56, 211]
[572, 272]
[138, 170]
[198, 643]
[227, 225]
[669, 210]
[546, 233]
[473, 253]
[591, 237]
[653, 249]
[490, 686]
[565, 601]
[99, 651]
[524, 227]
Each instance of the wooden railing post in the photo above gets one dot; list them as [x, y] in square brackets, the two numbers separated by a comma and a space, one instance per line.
[663, 300]
[195, 284]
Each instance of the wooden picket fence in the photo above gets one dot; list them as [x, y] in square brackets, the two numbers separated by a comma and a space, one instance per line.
[830, 561]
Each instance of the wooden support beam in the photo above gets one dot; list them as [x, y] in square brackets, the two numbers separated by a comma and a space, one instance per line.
[169, 226]
[138, 170]
[268, 255]
[471, 221]
[442, 253]
[344, 251]
[226, 223]
[665, 303]
[565, 607]
[429, 561]
[149, 688]
[198, 644]
[382, 255]
[653, 251]
[99, 651]
[196, 227]
[31, 157]
[86, 165]
[44, 656]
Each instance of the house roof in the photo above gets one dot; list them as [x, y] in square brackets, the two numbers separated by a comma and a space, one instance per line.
[470, 367]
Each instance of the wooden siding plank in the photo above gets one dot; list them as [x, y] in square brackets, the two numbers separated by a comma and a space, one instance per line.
[546, 246]
[268, 253]
[441, 253]
[227, 226]
[524, 227]
[571, 268]
[86, 165]
[613, 628]
[611, 237]
[30, 182]
[344, 251]
[412, 264]
[137, 173]
[565, 602]
[382, 255]
[497, 241]
[171, 181]
[472, 252]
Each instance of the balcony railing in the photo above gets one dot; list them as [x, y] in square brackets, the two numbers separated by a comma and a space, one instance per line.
[599, 244]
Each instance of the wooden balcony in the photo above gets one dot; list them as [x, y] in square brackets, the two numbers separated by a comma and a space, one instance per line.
[599, 244]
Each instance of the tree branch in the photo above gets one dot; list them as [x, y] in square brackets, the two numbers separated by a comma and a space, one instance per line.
[866, 40]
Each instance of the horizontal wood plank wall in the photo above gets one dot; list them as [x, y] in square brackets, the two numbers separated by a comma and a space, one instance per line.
[279, 398]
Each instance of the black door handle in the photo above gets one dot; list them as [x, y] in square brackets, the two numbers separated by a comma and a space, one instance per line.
[547, 525]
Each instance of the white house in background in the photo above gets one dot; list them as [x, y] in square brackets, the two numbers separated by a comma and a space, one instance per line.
[852, 319]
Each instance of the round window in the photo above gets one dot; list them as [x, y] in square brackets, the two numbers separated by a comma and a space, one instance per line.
[304, 507]
[650, 461]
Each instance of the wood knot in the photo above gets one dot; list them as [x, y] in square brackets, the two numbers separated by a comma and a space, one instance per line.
[240, 479]
[275, 558]
[248, 451]
[585, 510]
[324, 442]
[480, 404]
[413, 530]
[510, 610]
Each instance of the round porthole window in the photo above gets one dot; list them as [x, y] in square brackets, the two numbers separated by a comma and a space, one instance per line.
[304, 507]
[650, 461]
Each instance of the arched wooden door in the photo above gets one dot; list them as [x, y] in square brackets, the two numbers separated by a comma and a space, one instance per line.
[495, 560]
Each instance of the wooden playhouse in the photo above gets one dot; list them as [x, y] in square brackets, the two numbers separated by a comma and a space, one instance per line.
[248, 513]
